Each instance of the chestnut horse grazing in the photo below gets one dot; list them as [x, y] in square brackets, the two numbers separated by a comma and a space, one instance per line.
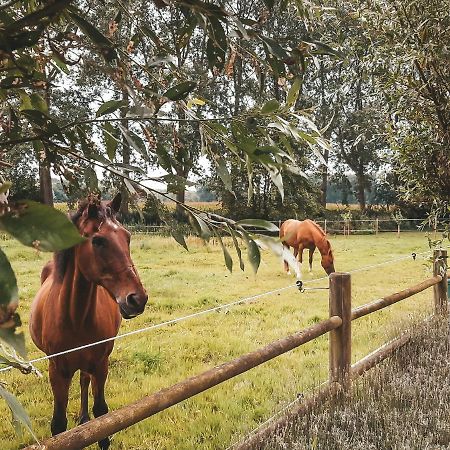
[307, 234]
[85, 291]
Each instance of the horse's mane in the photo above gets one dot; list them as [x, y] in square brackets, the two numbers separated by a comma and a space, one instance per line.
[317, 226]
[61, 258]
[324, 235]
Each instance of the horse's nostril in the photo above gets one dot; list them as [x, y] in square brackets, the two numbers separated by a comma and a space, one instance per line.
[133, 300]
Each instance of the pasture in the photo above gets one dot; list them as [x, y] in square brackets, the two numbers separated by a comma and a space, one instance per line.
[180, 283]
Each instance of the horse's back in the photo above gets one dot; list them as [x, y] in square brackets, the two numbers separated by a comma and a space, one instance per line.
[46, 271]
[295, 232]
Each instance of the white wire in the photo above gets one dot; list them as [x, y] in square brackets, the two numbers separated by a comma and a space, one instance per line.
[158, 325]
[197, 314]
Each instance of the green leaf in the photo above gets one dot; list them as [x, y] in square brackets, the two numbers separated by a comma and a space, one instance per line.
[293, 92]
[226, 253]
[179, 237]
[200, 226]
[109, 107]
[244, 140]
[90, 178]
[15, 340]
[25, 101]
[100, 40]
[111, 141]
[19, 415]
[40, 226]
[134, 141]
[236, 246]
[275, 48]
[164, 159]
[253, 254]
[258, 223]
[277, 180]
[180, 91]
[8, 282]
[62, 66]
[39, 103]
[223, 173]
[270, 106]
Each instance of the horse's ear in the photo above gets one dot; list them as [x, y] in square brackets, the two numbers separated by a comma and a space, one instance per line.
[115, 203]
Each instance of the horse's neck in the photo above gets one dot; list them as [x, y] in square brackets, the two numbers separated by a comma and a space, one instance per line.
[77, 295]
[323, 245]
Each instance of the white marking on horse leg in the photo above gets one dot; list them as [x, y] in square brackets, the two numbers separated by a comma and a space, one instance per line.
[298, 271]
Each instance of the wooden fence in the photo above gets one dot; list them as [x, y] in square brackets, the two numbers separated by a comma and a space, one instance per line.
[341, 372]
[345, 227]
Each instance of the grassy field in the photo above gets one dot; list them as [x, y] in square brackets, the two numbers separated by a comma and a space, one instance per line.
[179, 283]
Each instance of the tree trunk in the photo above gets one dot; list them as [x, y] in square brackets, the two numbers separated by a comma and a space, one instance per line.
[45, 183]
[45, 177]
[180, 213]
[324, 183]
[361, 181]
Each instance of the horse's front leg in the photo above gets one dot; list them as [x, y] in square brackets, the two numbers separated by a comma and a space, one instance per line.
[60, 382]
[311, 253]
[85, 379]
[98, 390]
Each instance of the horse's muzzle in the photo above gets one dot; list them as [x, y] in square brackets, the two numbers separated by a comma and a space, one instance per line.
[133, 305]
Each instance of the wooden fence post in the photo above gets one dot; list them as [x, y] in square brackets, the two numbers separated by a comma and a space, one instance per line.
[340, 304]
[440, 289]
[376, 226]
[325, 226]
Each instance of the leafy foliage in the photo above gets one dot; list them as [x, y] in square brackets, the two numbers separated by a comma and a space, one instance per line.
[39, 226]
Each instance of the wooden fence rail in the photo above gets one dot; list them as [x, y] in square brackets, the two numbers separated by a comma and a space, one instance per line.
[341, 372]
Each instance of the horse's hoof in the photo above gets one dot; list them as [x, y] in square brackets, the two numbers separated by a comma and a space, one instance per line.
[104, 444]
[288, 272]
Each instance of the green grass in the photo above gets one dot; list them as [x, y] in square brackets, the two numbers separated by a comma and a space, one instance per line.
[179, 283]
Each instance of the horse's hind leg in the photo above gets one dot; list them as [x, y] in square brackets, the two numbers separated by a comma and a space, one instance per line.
[286, 265]
[98, 390]
[85, 379]
[60, 382]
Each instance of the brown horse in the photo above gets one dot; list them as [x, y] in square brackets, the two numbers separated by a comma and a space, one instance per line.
[307, 234]
[85, 291]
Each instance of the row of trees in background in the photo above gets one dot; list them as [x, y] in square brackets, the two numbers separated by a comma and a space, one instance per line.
[380, 95]
[173, 83]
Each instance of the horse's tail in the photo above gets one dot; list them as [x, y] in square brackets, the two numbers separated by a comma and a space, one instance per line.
[282, 230]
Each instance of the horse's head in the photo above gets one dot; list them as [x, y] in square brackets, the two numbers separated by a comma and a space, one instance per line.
[104, 258]
[328, 260]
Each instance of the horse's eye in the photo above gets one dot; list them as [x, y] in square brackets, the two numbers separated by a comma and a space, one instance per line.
[99, 241]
